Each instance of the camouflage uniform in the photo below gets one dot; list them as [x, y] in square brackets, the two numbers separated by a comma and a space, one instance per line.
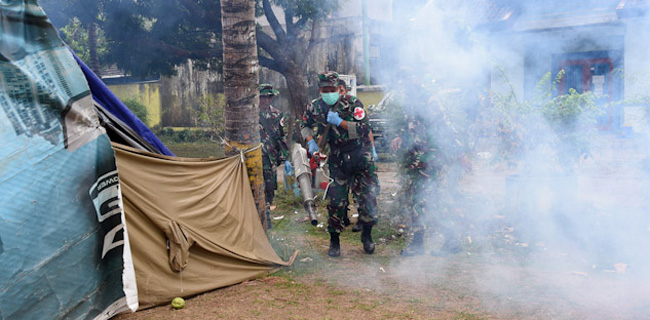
[422, 162]
[350, 161]
[352, 100]
[274, 146]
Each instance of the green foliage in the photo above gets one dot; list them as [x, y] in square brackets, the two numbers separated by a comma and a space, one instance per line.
[138, 109]
[76, 36]
[525, 126]
[147, 37]
[210, 114]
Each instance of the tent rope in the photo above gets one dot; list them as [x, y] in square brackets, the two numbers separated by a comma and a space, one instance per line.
[241, 151]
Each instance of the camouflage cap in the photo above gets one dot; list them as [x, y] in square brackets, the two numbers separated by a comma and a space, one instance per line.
[328, 79]
[266, 89]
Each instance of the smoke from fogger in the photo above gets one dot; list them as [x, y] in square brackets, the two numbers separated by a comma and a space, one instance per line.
[554, 209]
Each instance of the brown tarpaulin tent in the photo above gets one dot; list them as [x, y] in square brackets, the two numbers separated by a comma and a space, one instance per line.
[192, 224]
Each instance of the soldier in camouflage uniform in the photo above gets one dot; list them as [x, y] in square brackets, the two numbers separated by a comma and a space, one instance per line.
[344, 89]
[274, 146]
[421, 163]
[345, 127]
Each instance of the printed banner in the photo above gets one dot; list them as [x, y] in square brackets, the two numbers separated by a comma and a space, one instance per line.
[64, 253]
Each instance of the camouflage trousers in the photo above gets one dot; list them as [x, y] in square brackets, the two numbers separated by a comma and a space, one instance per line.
[361, 181]
[419, 193]
[421, 203]
[270, 179]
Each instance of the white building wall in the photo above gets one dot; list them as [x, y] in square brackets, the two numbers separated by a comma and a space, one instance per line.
[637, 72]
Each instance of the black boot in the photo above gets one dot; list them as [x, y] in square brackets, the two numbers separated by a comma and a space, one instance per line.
[335, 245]
[366, 239]
[416, 247]
[357, 227]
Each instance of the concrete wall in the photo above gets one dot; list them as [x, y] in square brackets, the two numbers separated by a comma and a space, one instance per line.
[637, 72]
[147, 94]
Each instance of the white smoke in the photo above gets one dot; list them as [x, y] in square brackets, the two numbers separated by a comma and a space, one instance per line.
[559, 218]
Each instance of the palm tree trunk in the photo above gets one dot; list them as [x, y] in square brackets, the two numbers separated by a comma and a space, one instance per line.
[92, 48]
[241, 76]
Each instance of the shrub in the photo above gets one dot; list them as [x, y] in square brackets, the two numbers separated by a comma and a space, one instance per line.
[138, 109]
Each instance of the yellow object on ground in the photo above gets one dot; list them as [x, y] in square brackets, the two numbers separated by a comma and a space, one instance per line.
[178, 303]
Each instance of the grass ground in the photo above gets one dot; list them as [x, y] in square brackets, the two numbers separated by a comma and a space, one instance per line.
[203, 148]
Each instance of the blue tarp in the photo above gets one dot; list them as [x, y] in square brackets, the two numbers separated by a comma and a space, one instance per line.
[64, 253]
[104, 97]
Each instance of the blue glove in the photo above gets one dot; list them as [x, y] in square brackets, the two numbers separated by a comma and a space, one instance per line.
[287, 167]
[374, 153]
[313, 147]
[333, 118]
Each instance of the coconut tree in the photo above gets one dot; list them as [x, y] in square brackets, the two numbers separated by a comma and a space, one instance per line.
[241, 75]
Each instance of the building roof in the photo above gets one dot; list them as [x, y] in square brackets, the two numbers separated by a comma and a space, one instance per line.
[497, 15]
[632, 8]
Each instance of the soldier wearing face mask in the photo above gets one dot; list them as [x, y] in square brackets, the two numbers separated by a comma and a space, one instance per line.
[345, 127]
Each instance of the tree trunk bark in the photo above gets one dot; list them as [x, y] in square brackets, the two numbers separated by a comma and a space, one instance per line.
[241, 76]
[92, 48]
[298, 98]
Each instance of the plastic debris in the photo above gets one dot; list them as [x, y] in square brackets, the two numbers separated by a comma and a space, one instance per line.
[382, 269]
[278, 218]
[308, 259]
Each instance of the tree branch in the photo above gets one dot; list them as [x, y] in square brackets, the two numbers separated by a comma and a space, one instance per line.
[273, 21]
[269, 45]
[271, 64]
[288, 21]
[301, 23]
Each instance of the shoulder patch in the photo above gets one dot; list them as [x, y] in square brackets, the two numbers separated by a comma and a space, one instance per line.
[282, 121]
[359, 113]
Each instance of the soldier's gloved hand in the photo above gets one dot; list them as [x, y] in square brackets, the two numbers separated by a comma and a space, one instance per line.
[374, 154]
[313, 147]
[287, 167]
[334, 118]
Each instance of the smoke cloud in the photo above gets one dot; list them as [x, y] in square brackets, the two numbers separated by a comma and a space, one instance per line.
[556, 203]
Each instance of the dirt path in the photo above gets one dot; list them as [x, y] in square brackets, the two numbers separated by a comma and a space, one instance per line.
[501, 274]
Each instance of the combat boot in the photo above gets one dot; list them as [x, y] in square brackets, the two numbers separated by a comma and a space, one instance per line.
[335, 245]
[416, 247]
[357, 227]
[366, 239]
